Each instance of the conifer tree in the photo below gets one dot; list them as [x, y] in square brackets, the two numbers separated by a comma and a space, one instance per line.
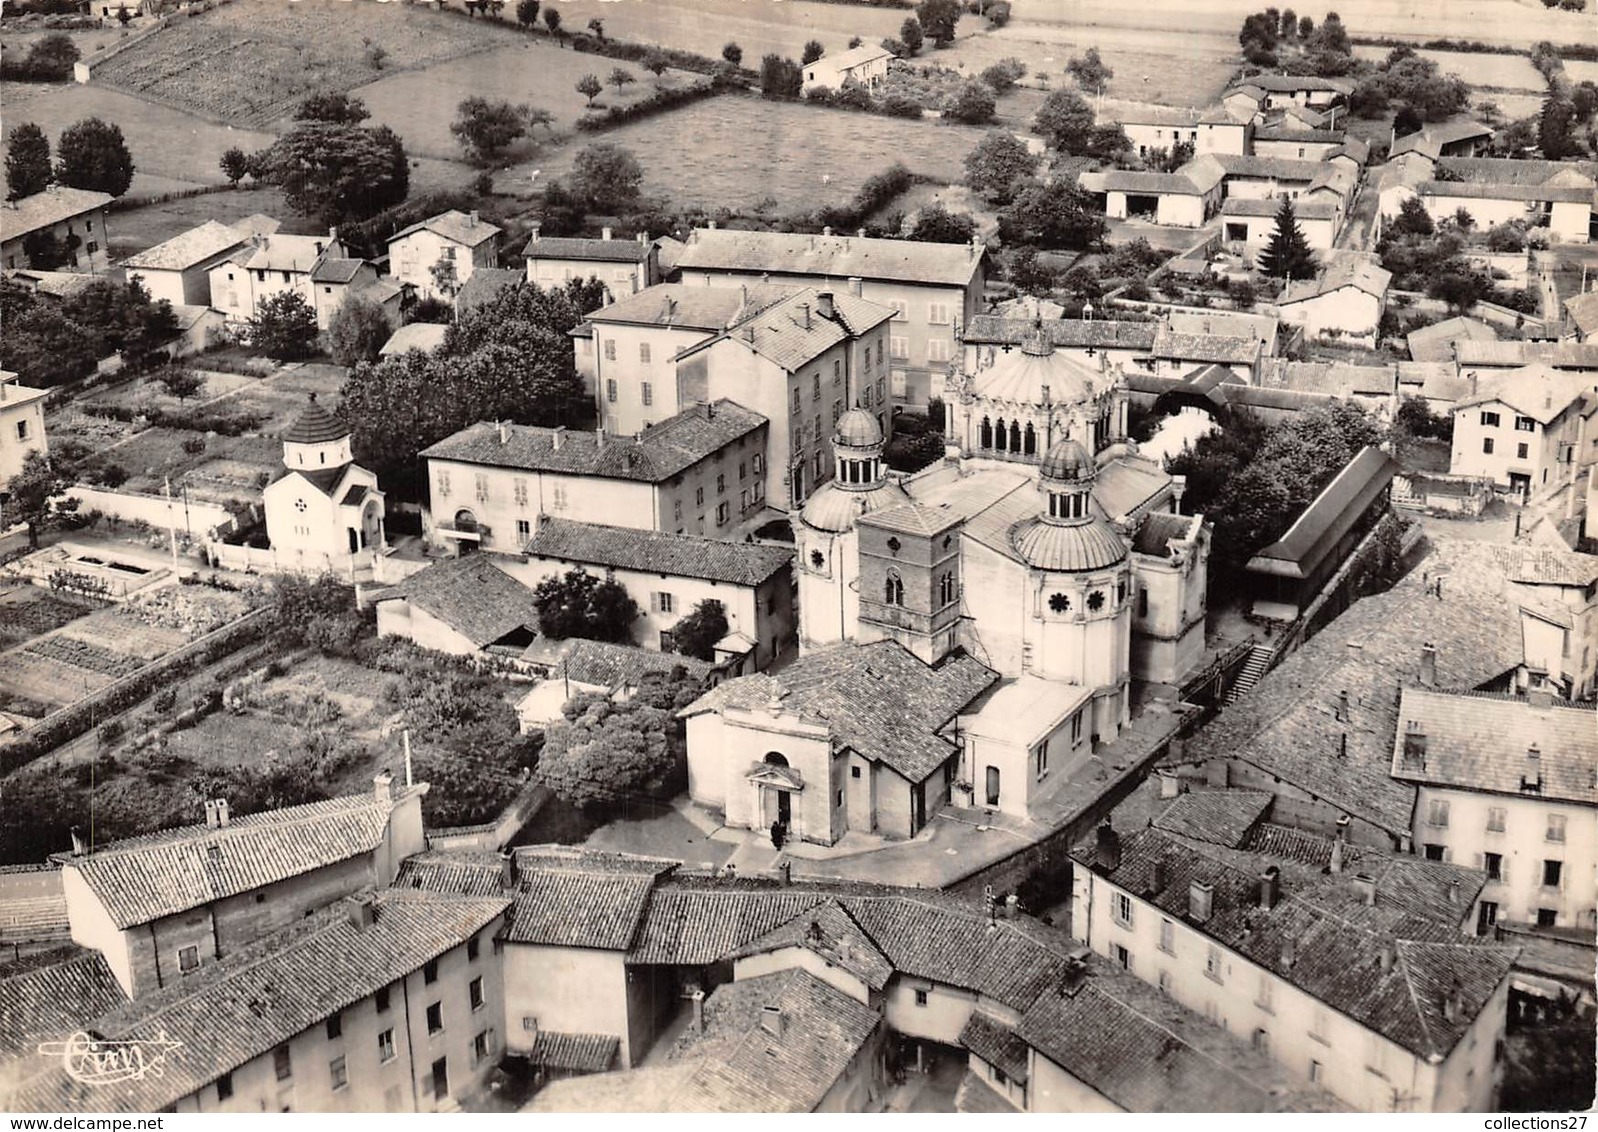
[1288, 255]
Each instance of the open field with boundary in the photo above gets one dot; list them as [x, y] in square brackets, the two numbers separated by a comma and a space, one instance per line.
[1504, 72]
[735, 151]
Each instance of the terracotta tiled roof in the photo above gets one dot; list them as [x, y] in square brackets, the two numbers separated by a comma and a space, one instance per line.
[878, 699]
[687, 307]
[604, 251]
[652, 552]
[1322, 937]
[485, 285]
[1539, 392]
[424, 336]
[453, 225]
[1267, 206]
[52, 993]
[1223, 817]
[234, 1010]
[41, 210]
[1547, 566]
[1158, 530]
[829, 931]
[334, 270]
[571, 899]
[1288, 84]
[146, 878]
[1513, 171]
[987, 329]
[1286, 724]
[576, 1053]
[653, 456]
[471, 595]
[1546, 192]
[1480, 743]
[315, 425]
[791, 336]
[1206, 347]
[612, 666]
[1343, 271]
[996, 1043]
[837, 257]
[454, 872]
[1436, 343]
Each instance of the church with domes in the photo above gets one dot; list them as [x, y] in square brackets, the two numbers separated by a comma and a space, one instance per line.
[324, 511]
[1043, 545]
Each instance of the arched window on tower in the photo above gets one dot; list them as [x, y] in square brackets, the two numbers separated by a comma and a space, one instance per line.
[1000, 436]
[893, 589]
[1029, 441]
[1015, 436]
[987, 433]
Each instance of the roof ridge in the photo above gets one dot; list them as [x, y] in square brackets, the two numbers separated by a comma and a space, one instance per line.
[1414, 997]
[179, 836]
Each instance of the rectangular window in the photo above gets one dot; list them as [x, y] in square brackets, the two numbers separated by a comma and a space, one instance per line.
[1436, 852]
[921, 997]
[1547, 917]
[381, 999]
[1437, 812]
[441, 1078]
[865, 397]
[937, 349]
[481, 1047]
[189, 958]
[224, 1086]
[610, 349]
[797, 399]
[282, 1063]
[1525, 424]
[1487, 446]
[676, 510]
[815, 387]
[1556, 827]
[610, 389]
[646, 393]
[1076, 728]
[879, 351]
[721, 483]
[1168, 937]
[385, 1046]
[901, 346]
[1317, 1026]
[1552, 871]
[474, 993]
[854, 772]
[1212, 963]
[759, 463]
[430, 972]
[723, 513]
[1121, 955]
[435, 1018]
[1315, 1071]
[1495, 819]
[938, 313]
[1265, 998]
[443, 482]
[882, 389]
[1165, 982]
[643, 352]
[1121, 909]
[335, 1027]
[480, 483]
[837, 371]
[1493, 865]
[699, 496]
[519, 491]
[1262, 1041]
[1041, 758]
[662, 602]
[524, 531]
[337, 1073]
[898, 309]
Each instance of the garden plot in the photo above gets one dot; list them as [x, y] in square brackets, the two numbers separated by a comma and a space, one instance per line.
[28, 611]
[250, 62]
[157, 455]
[278, 400]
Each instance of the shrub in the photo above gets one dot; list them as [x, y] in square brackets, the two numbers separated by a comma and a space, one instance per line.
[109, 732]
[194, 445]
[1003, 75]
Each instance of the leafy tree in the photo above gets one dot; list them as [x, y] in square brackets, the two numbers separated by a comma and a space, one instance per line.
[181, 382]
[938, 19]
[1065, 121]
[1288, 254]
[812, 51]
[91, 154]
[1331, 36]
[30, 492]
[605, 753]
[590, 87]
[780, 78]
[1510, 236]
[43, 251]
[40, 340]
[1090, 72]
[937, 225]
[1556, 127]
[606, 177]
[597, 26]
[52, 56]
[655, 62]
[580, 604]
[1003, 75]
[527, 12]
[1415, 417]
[1057, 215]
[27, 161]
[1289, 23]
[1407, 121]
[316, 612]
[1306, 27]
[122, 319]
[1244, 295]
[998, 164]
[620, 77]
[974, 104]
[235, 164]
[337, 172]
[911, 35]
[538, 116]
[333, 106]
[696, 633]
[732, 53]
[1460, 287]
[357, 331]
[284, 327]
[552, 20]
[1412, 219]
[484, 128]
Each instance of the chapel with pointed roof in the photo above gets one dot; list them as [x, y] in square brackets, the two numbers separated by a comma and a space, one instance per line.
[324, 511]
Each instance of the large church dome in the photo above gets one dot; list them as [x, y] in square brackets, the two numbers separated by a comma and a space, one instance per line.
[1038, 374]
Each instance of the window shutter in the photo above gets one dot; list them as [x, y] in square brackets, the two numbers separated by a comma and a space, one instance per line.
[654, 603]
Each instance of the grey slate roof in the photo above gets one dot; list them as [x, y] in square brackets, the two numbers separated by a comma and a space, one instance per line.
[1480, 742]
[655, 455]
[1436, 343]
[453, 225]
[837, 257]
[987, 329]
[471, 595]
[791, 333]
[878, 699]
[829, 931]
[484, 286]
[1224, 817]
[1266, 206]
[50, 994]
[651, 552]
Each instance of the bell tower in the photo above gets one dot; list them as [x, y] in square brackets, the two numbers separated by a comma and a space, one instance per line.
[910, 579]
[316, 441]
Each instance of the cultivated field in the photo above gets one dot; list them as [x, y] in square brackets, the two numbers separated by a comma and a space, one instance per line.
[420, 105]
[171, 150]
[736, 151]
[29, 611]
[249, 63]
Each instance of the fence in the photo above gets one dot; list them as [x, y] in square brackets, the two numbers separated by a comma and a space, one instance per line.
[495, 835]
[195, 518]
[1436, 491]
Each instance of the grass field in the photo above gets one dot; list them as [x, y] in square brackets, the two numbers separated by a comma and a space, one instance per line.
[420, 105]
[735, 151]
[1502, 72]
[171, 150]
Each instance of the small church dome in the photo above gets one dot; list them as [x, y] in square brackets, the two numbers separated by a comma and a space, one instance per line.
[857, 429]
[835, 508]
[1092, 545]
[315, 425]
[1067, 461]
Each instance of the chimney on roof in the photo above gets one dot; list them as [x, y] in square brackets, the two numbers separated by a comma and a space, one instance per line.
[860, 232]
[1541, 698]
[1428, 665]
[1170, 784]
[1341, 710]
[1289, 952]
[1109, 847]
[557, 437]
[711, 224]
[857, 285]
[604, 234]
[599, 437]
[509, 871]
[1531, 782]
[1365, 885]
[536, 229]
[221, 813]
[1388, 955]
[643, 237]
[710, 410]
[80, 846]
[383, 786]
[989, 902]
[504, 432]
[332, 234]
[1159, 878]
[210, 813]
[362, 909]
[1453, 892]
[1454, 1001]
[471, 219]
[1270, 887]
[824, 307]
[804, 314]
[1012, 905]
[1200, 901]
[977, 247]
[1219, 774]
[1336, 864]
[773, 1020]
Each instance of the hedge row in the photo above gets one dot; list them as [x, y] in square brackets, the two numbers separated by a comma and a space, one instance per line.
[657, 103]
[878, 191]
[27, 71]
[635, 53]
[1579, 51]
[67, 724]
[191, 422]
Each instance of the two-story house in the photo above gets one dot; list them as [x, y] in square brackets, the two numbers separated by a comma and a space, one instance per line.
[60, 228]
[933, 289]
[625, 267]
[801, 362]
[631, 346]
[867, 65]
[1506, 785]
[437, 255]
[21, 425]
[1522, 428]
[179, 270]
[316, 268]
[699, 472]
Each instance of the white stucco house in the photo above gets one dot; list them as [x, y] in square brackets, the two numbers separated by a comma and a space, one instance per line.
[439, 254]
[1345, 301]
[866, 65]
